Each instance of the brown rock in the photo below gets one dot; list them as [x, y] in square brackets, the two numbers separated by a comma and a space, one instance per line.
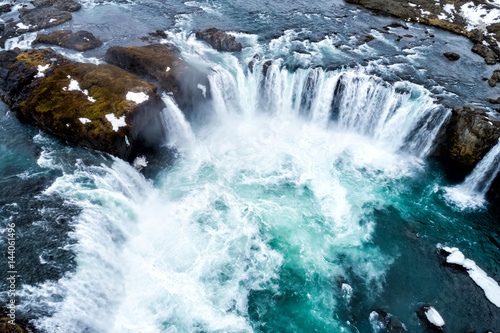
[451, 56]
[495, 77]
[80, 41]
[488, 55]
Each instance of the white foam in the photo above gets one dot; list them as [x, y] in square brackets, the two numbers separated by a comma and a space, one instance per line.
[140, 162]
[434, 317]
[126, 141]
[116, 122]
[490, 287]
[84, 120]
[346, 291]
[137, 97]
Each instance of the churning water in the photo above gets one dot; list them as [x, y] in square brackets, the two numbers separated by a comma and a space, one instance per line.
[298, 200]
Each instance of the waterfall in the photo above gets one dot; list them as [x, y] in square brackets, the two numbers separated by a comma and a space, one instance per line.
[179, 132]
[481, 178]
[471, 193]
[399, 116]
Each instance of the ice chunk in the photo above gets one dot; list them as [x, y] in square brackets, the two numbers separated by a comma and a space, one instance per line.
[434, 317]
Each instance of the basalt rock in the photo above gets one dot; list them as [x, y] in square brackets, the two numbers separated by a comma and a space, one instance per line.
[451, 56]
[80, 40]
[467, 138]
[485, 52]
[189, 86]
[391, 323]
[219, 40]
[97, 106]
[495, 77]
[5, 8]
[43, 17]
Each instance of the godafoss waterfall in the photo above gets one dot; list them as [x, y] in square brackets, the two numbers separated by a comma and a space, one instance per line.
[307, 170]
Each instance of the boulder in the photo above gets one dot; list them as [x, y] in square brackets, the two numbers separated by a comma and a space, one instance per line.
[219, 40]
[485, 52]
[8, 30]
[80, 40]
[369, 38]
[189, 86]
[5, 8]
[495, 77]
[97, 106]
[467, 138]
[431, 318]
[451, 56]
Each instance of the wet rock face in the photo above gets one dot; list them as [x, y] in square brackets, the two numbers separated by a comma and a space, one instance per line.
[189, 86]
[80, 40]
[43, 18]
[219, 40]
[467, 138]
[97, 106]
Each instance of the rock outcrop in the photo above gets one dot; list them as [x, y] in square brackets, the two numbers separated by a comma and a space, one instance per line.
[189, 86]
[467, 138]
[80, 40]
[43, 14]
[98, 106]
[219, 40]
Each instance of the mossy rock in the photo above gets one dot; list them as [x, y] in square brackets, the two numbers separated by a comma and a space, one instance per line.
[82, 103]
[6, 327]
[80, 40]
[163, 64]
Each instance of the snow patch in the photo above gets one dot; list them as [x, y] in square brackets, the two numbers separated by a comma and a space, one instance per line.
[490, 287]
[91, 99]
[84, 120]
[52, 20]
[41, 70]
[203, 89]
[168, 69]
[137, 97]
[434, 317]
[126, 141]
[412, 4]
[116, 122]
[21, 25]
[479, 16]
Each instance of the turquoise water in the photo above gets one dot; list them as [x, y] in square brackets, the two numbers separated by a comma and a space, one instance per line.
[281, 206]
